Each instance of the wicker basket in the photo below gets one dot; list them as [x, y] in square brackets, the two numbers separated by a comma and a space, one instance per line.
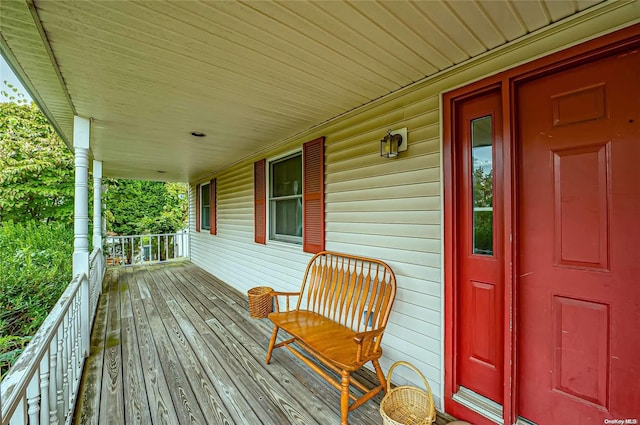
[260, 303]
[407, 405]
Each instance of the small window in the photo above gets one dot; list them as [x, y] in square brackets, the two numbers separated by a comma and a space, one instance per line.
[482, 179]
[285, 199]
[205, 206]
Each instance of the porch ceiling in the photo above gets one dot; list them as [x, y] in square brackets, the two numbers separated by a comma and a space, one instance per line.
[248, 74]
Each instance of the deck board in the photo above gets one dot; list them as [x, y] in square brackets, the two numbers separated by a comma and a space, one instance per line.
[88, 404]
[111, 395]
[135, 398]
[174, 345]
[157, 389]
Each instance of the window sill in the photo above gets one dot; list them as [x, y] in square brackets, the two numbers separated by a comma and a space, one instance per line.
[289, 246]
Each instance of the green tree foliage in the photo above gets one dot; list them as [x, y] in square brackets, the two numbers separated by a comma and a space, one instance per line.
[36, 269]
[12, 93]
[137, 207]
[36, 168]
[482, 187]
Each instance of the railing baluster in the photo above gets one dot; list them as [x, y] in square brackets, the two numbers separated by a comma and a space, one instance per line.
[33, 400]
[53, 388]
[61, 374]
[77, 343]
[173, 242]
[82, 343]
[44, 387]
[73, 346]
[66, 360]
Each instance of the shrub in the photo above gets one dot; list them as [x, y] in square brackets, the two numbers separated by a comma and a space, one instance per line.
[36, 263]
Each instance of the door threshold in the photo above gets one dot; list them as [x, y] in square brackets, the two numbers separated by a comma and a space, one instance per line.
[479, 404]
[523, 421]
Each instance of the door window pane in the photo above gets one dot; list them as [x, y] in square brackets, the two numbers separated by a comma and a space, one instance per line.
[482, 181]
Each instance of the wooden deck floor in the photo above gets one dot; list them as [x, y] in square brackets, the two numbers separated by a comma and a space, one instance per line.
[174, 345]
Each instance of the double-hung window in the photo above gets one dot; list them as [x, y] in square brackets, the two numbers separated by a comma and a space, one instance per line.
[205, 206]
[285, 199]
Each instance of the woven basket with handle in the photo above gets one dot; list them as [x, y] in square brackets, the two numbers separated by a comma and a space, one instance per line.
[260, 303]
[406, 405]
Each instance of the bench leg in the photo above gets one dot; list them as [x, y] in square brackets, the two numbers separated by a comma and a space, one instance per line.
[344, 398]
[272, 342]
[380, 374]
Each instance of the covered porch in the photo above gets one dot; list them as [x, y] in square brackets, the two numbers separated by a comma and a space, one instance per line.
[218, 94]
[173, 344]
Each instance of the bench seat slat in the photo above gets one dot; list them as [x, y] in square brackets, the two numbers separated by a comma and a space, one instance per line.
[332, 341]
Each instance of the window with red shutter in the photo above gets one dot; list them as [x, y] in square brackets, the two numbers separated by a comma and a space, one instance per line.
[295, 198]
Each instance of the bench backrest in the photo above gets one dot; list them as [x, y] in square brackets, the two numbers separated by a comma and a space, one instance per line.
[357, 292]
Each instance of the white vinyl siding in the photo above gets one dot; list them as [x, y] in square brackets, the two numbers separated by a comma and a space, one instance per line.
[388, 209]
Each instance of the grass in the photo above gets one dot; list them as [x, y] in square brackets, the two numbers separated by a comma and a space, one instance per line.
[36, 263]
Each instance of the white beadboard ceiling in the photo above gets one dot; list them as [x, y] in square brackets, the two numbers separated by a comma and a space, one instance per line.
[248, 74]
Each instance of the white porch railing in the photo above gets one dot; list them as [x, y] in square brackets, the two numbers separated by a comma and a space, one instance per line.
[42, 386]
[97, 266]
[146, 249]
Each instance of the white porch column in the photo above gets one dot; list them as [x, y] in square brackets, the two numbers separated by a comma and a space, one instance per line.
[97, 204]
[81, 130]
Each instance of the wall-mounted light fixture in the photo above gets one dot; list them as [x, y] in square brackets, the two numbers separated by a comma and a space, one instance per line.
[393, 143]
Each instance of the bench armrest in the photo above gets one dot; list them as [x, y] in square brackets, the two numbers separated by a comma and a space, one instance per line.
[368, 343]
[287, 295]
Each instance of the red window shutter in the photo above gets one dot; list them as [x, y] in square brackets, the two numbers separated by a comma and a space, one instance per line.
[313, 196]
[213, 225]
[260, 201]
[197, 208]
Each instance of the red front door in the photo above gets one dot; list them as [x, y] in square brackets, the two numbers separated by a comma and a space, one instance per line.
[579, 244]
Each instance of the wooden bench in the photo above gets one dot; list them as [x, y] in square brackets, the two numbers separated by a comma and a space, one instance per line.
[339, 319]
